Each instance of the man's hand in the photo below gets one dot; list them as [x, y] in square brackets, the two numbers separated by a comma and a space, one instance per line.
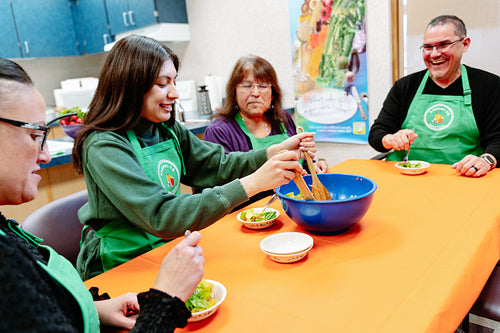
[401, 140]
[472, 166]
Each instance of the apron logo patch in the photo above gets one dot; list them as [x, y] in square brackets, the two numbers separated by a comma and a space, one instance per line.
[438, 117]
[168, 175]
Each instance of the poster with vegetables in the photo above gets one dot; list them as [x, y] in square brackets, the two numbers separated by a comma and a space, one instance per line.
[329, 66]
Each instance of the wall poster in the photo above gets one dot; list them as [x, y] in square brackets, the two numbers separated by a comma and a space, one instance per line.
[329, 68]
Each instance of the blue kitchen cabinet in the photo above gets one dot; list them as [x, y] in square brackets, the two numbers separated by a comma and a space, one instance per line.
[9, 44]
[45, 28]
[171, 11]
[92, 26]
[126, 15]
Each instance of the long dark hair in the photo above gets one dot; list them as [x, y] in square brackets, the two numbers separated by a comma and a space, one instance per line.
[262, 71]
[130, 70]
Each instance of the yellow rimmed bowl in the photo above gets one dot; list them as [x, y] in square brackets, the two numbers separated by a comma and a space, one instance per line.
[416, 167]
[259, 224]
[219, 292]
[287, 247]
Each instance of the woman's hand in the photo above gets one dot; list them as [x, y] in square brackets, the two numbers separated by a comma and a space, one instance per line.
[321, 166]
[401, 140]
[298, 143]
[117, 311]
[278, 170]
[182, 268]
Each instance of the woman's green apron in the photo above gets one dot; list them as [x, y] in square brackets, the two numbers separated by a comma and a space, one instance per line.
[121, 240]
[262, 143]
[445, 124]
[63, 272]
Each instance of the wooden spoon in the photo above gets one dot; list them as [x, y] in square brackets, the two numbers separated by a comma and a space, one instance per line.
[319, 191]
[301, 184]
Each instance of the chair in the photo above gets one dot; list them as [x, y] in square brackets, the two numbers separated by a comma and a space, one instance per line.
[487, 304]
[58, 225]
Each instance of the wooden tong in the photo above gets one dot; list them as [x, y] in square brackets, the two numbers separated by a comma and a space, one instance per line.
[319, 191]
[301, 184]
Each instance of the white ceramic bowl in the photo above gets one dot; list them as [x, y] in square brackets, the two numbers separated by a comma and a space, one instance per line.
[261, 224]
[413, 171]
[286, 243]
[287, 258]
[219, 293]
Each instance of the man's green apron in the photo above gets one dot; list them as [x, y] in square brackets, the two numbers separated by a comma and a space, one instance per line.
[120, 239]
[445, 124]
[63, 272]
[262, 143]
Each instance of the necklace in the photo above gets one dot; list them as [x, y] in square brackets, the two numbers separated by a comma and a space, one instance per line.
[255, 131]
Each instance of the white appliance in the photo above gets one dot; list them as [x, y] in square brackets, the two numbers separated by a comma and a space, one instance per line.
[187, 95]
[76, 92]
[164, 32]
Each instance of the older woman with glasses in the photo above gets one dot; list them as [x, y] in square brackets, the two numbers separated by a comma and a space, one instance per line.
[41, 291]
[448, 113]
[252, 116]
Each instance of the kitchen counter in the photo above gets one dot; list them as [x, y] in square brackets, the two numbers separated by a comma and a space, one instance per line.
[60, 148]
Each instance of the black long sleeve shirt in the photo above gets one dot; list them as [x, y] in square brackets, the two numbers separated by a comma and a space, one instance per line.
[32, 301]
[485, 94]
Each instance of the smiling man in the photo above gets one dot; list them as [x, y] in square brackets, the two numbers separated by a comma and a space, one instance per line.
[449, 113]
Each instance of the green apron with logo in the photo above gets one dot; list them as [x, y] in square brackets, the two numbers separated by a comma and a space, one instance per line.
[121, 240]
[63, 272]
[445, 124]
[262, 143]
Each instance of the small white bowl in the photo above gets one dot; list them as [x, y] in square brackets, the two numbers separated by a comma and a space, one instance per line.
[286, 243]
[286, 254]
[413, 171]
[287, 258]
[219, 293]
[260, 224]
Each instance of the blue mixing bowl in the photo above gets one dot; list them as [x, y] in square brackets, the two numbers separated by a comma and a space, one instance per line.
[351, 197]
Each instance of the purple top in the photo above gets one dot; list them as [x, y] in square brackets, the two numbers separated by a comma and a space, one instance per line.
[228, 133]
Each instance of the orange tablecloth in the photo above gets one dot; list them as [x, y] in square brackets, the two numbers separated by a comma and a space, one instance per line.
[415, 263]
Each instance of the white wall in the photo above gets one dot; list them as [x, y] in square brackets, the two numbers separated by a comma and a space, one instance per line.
[222, 31]
[483, 27]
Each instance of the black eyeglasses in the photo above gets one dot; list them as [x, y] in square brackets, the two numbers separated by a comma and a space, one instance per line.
[441, 47]
[41, 138]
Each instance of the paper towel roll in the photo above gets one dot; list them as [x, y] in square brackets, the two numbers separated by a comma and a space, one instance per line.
[214, 87]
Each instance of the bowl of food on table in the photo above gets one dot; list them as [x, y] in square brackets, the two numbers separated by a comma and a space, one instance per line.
[351, 197]
[206, 299]
[71, 120]
[256, 218]
[412, 167]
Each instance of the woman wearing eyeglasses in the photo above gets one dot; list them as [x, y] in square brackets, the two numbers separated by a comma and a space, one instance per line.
[41, 291]
[252, 116]
[447, 113]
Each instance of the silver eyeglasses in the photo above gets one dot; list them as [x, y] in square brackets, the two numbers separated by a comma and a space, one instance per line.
[39, 138]
[247, 86]
[440, 47]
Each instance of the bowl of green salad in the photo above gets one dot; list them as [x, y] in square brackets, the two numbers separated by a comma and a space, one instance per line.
[255, 218]
[205, 300]
[413, 167]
